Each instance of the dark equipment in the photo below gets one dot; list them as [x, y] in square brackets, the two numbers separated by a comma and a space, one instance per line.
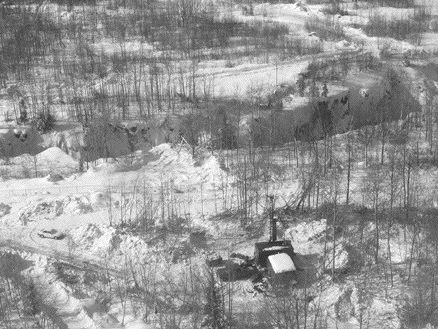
[265, 249]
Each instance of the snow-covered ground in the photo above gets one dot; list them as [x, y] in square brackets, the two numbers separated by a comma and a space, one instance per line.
[168, 186]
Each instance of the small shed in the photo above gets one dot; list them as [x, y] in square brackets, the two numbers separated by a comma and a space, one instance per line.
[265, 249]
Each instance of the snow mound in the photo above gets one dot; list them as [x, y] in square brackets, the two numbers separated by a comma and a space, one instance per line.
[105, 241]
[176, 165]
[305, 236]
[211, 172]
[364, 92]
[98, 199]
[159, 149]
[55, 156]
[76, 205]
[85, 236]
[58, 296]
[341, 258]
[308, 238]
[54, 177]
[107, 166]
[47, 209]
[344, 44]
[50, 208]
[51, 161]
[328, 298]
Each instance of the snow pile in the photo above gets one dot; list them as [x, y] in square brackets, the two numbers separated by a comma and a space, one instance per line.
[105, 241]
[50, 161]
[47, 209]
[294, 101]
[364, 92]
[211, 172]
[133, 246]
[400, 245]
[98, 199]
[282, 10]
[59, 297]
[177, 165]
[69, 141]
[50, 208]
[104, 166]
[76, 205]
[339, 302]
[55, 158]
[385, 311]
[345, 45]
[308, 238]
[305, 237]
[54, 177]
[85, 236]
[328, 299]
[340, 258]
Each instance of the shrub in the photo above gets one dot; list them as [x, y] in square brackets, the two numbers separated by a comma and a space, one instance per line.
[393, 3]
[399, 29]
[334, 10]
[317, 2]
[44, 121]
[326, 29]
[419, 309]
[385, 51]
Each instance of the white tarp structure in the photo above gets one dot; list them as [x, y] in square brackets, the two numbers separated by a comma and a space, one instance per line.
[281, 263]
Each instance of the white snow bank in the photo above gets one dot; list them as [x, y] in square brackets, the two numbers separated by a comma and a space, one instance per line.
[346, 45]
[308, 238]
[328, 298]
[51, 161]
[176, 165]
[283, 11]
[281, 263]
[102, 165]
[98, 199]
[399, 247]
[56, 295]
[105, 241]
[340, 257]
[138, 324]
[85, 236]
[76, 205]
[50, 208]
[305, 236]
[54, 156]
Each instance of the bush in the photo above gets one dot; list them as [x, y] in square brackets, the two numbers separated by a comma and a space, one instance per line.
[399, 29]
[326, 29]
[393, 3]
[334, 10]
[419, 309]
[44, 121]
